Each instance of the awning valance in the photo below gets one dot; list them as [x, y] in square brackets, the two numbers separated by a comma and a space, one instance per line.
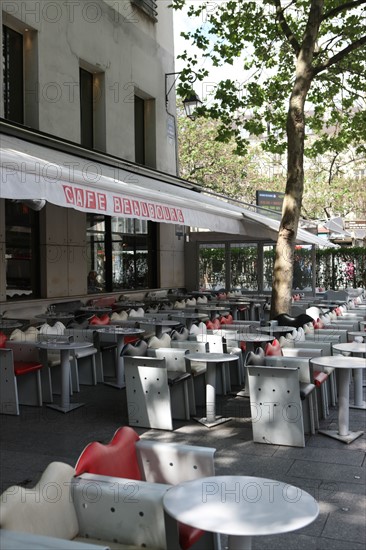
[33, 171]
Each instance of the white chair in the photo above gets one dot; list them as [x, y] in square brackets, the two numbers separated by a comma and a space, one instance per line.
[176, 363]
[275, 403]
[85, 509]
[20, 377]
[153, 397]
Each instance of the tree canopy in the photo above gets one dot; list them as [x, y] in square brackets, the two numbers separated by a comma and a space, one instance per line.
[303, 71]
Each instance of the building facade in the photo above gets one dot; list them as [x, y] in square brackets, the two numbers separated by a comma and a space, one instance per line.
[90, 73]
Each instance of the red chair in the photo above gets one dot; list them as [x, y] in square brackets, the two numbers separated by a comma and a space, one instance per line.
[129, 457]
[226, 320]
[273, 348]
[3, 339]
[20, 378]
[102, 320]
[318, 324]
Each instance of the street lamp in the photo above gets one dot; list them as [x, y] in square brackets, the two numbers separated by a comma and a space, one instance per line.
[191, 101]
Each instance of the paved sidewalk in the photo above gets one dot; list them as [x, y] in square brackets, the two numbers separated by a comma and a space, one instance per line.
[333, 472]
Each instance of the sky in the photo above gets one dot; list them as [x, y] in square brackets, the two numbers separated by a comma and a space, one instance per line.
[184, 23]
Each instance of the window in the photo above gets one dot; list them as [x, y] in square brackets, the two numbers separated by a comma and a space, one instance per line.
[139, 130]
[122, 251]
[148, 6]
[92, 108]
[212, 266]
[244, 266]
[145, 138]
[21, 252]
[13, 86]
[86, 109]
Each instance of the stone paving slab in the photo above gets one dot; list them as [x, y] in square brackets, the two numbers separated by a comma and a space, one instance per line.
[337, 456]
[328, 471]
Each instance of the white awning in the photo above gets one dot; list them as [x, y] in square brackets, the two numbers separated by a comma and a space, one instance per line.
[33, 171]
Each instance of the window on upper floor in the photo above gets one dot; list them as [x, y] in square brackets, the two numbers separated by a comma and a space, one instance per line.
[13, 87]
[145, 139]
[86, 109]
[20, 72]
[92, 109]
[148, 6]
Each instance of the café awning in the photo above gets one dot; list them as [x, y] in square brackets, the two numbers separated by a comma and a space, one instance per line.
[30, 170]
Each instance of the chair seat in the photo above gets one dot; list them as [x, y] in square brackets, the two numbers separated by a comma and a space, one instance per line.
[305, 390]
[320, 377]
[23, 367]
[188, 535]
[176, 377]
[107, 346]
[198, 368]
[85, 352]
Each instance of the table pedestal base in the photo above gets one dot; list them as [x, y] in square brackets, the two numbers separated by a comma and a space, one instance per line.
[65, 408]
[210, 423]
[241, 393]
[116, 384]
[362, 405]
[351, 436]
[239, 543]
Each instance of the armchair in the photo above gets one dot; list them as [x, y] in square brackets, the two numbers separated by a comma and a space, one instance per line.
[85, 509]
[130, 457]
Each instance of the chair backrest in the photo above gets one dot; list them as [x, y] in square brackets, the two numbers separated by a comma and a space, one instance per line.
[300, 363]
[128, 514]
[303, 352]
[180, 334]
[139, 312]
[133, 349]
[322, 336]
[328, 333]
[148, 393]
[8, 384]
[117, 458]
[174, 358]
[325, 347]
[172, 462]
[214, 341]
[80, 335]
[45, 509]
[314, 312]
[191, 346]
[29, 335]
[57, 329]
[275, 403]
[337, 295]
[24, 351]
[163, 342]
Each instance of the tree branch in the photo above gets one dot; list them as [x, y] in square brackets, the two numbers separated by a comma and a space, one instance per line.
[286, 28]
[342, 7]
[340, 55]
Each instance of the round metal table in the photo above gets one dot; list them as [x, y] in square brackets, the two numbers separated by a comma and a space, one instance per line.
[241, 507]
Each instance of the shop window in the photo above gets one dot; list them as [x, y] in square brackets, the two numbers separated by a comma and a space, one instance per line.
[244, 266]
[268, 265]
[13, 85]
[21, 251]
[212, 266]
[122, 251]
